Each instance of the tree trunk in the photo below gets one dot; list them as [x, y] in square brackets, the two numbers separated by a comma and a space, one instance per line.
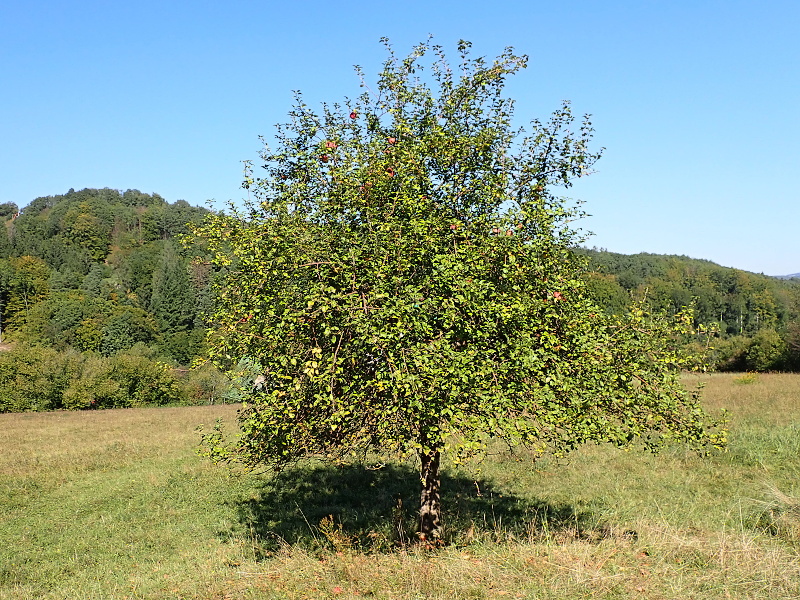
[430, 500]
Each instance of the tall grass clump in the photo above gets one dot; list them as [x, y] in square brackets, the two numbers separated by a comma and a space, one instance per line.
[779, 515]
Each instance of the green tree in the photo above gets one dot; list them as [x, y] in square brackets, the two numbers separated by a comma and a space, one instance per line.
[34, 378]
[404, 277]
[86, 229]
[29, 284]
[124, 328]
[767, 351]
[8, 210]
[608, 293]
[172, 301]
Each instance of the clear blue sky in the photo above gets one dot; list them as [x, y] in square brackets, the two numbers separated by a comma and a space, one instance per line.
[697, 102]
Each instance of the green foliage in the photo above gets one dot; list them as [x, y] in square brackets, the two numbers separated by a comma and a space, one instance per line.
[173, 299]
[88, 323]
[737, 306]
[8, 210]
[729, 353]
[244, 378]
[124, 328]
[793, 346]
[405, 279]
[40, 379]
[83, 227]
[182, 346]
[606, 290]
[206, 384]
[28, 284]
[98, 271]
[35, 378]
[767, 351]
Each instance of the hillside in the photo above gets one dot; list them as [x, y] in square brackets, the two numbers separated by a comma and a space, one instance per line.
[102, 270]
[753, 320]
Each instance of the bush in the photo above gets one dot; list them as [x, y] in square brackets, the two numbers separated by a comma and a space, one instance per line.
[40, 379]
[144, 382]
[94, 388]
[767, 351]
[206, 384]
[730, 354]
[34, 378]
[183, 346]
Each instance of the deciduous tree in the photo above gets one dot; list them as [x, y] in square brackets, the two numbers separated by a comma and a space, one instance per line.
[403, 275]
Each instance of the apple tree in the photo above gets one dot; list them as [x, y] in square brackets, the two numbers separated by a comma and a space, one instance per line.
[403, 275]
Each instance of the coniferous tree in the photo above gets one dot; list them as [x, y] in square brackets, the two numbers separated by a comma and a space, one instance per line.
[173, 299]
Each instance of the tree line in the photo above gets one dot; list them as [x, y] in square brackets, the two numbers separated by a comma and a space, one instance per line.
[750, 322]
[93, 275]
[101, 271]
[89, 276]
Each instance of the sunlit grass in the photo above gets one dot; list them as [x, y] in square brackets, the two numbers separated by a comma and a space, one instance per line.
[115, 504]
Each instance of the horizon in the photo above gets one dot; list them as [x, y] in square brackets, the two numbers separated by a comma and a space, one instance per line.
[593, 248]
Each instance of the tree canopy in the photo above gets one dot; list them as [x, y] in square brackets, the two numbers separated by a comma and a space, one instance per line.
[751, 321]
[98, 270]
[404, 278]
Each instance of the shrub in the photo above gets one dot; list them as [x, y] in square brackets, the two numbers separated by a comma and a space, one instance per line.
[40, 379]
[206, 384]
[34, 378]
[767, 351]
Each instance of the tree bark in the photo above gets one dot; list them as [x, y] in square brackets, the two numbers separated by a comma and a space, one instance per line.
[430, 500]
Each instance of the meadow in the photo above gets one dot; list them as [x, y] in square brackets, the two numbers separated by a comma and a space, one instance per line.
[116, 504]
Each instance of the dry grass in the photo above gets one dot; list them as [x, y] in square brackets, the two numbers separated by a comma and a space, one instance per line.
[72, 441]
[663, 563]
[115, 504]
[770, 399]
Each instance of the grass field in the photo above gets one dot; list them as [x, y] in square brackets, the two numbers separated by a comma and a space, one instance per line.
[115, 504]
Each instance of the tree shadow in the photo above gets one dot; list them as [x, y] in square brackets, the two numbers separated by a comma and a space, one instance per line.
[352, 506]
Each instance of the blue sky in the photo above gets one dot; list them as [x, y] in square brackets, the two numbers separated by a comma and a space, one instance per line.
[697, 102]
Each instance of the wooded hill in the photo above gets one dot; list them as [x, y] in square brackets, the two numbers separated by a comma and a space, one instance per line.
[99, 299]
[101, 271]
[752, 321]
[98, 293]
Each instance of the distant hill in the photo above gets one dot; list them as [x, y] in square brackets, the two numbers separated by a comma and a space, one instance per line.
[101, 270]
[755, 319]
[792, 276]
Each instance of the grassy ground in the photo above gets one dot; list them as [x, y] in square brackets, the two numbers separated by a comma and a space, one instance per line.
[115, 504]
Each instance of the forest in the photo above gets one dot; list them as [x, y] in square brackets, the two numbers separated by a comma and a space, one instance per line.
[101, 303]
[102, 297]
[746, 321]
